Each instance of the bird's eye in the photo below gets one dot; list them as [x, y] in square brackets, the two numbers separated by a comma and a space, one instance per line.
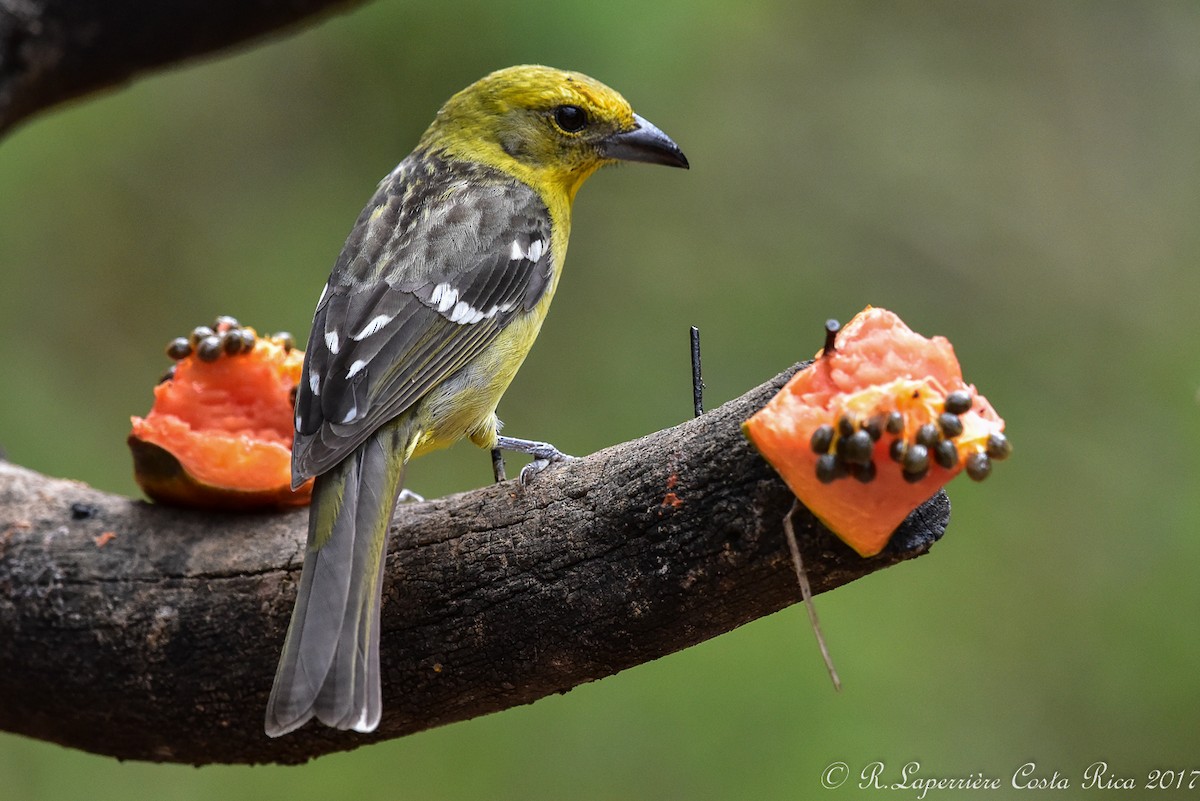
[571, 119]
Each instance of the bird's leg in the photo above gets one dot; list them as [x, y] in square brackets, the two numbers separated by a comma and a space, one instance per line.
[408, 496]
[544, 454]
[498, 465]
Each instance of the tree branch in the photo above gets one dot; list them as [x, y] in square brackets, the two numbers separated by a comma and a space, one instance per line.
[159, 643]
[55, 50]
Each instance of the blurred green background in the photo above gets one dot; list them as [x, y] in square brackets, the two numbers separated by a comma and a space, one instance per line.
[1019, 176]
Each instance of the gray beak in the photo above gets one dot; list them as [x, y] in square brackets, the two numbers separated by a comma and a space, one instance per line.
[644, 143]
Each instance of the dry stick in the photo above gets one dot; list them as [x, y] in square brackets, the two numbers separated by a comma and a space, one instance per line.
[697, 380]
[807, 595]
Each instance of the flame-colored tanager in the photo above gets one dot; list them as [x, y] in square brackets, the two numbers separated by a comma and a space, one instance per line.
[437, 296]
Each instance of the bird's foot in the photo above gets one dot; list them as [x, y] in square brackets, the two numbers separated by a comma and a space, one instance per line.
[544, 454]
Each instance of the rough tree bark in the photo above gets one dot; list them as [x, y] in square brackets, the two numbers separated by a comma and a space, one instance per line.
[151, 633]
[55, 50]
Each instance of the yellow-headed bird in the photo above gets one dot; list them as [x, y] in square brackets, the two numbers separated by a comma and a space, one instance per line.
[432, 305]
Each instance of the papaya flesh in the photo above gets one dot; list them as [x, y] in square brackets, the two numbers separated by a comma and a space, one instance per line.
[875, 426]
[219, 435]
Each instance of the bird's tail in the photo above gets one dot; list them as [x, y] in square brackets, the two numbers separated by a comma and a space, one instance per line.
[329, 667]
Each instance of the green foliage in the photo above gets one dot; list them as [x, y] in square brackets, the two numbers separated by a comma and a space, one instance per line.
[1020, 177]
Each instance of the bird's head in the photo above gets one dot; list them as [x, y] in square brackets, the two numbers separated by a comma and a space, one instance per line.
[548, 126]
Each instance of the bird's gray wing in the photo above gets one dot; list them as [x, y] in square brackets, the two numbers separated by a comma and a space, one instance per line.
[437, 265]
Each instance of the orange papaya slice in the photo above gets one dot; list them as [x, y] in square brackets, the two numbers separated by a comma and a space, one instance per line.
[875, 426]
[219, 435]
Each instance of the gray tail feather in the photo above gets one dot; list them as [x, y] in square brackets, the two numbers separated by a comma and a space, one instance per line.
[329, 667]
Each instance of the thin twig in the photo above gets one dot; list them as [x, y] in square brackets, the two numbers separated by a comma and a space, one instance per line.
[806, 593]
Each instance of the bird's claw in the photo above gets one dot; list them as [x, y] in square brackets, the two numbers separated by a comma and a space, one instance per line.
[539, 464]
[408, 496]
[544, 454]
